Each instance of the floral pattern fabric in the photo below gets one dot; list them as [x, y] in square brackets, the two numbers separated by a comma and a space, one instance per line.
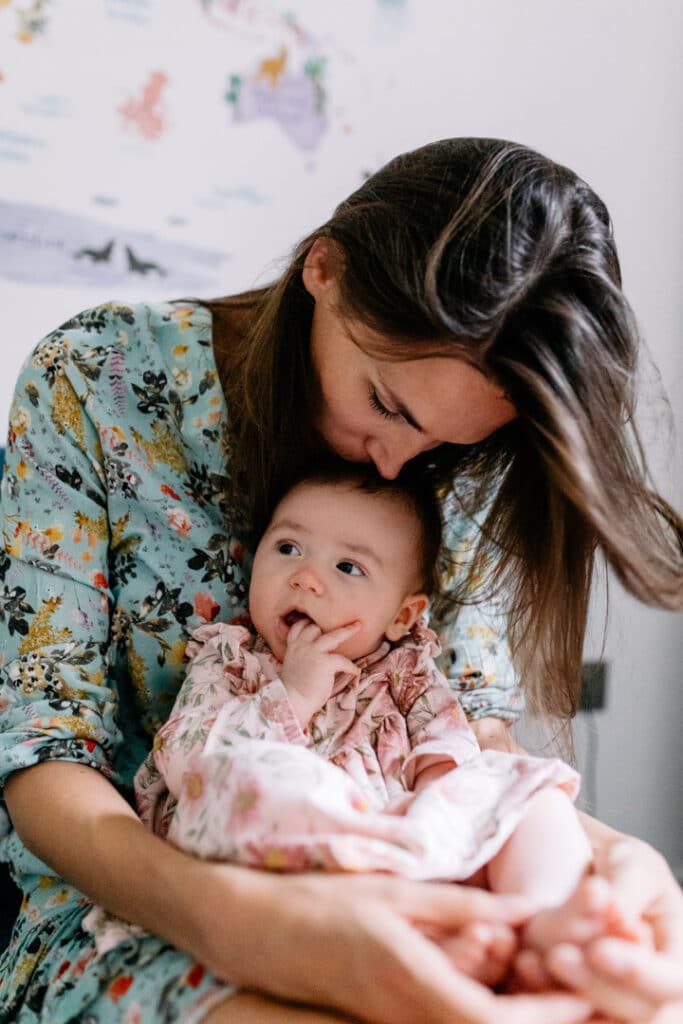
[118, 542]
[233, 776]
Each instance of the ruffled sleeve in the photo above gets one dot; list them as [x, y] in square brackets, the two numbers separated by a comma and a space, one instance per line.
[436, 725]
[231, 692]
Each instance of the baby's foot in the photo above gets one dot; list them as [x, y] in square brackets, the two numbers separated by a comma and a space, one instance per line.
[590, 912]
[483, 950]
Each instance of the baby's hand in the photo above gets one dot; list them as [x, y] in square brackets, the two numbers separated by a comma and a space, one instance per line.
[310, 665]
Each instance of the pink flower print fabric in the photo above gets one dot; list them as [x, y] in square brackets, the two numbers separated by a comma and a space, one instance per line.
[233, 776]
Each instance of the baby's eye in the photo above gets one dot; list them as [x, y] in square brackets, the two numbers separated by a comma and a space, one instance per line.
[350, 568]
[287, 547]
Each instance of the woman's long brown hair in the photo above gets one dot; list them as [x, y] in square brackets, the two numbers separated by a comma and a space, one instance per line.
[489, 252]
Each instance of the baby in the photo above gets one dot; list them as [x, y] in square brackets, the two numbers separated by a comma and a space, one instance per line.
[328, 738]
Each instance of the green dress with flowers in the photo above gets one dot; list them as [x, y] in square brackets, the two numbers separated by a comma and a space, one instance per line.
[118, 541]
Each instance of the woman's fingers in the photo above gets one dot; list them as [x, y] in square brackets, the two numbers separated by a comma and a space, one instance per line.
[644, 886]
[568, 965]
[450, 906]
[670, 1014]
[547, 1009]
[659, 978]
[431, 990]
[645, 890]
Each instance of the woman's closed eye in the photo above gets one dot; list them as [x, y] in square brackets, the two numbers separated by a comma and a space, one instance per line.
[350, 568]
[379, 406]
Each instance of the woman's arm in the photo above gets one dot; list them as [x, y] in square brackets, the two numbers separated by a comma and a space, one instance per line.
[350, 943]
[71, 817]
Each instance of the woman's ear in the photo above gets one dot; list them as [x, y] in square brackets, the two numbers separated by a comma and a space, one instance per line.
[406, 617]
[319, 268]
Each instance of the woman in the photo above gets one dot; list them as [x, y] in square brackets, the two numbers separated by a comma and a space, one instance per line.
[463, 308]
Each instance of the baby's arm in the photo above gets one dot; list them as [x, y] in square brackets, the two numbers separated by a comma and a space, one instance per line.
[430, 773]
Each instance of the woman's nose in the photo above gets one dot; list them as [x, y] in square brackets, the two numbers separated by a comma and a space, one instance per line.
[388, 461]
[304, 578]
[391, 456]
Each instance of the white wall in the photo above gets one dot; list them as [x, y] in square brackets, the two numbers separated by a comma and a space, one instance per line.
[597, 84]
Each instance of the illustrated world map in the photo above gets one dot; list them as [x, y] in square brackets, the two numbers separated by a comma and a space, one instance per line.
[181, 146]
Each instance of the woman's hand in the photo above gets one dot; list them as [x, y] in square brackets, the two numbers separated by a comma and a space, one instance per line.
[631, 981]
[353, 943]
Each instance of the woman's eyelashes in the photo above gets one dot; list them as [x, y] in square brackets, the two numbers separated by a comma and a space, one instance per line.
[379, 406]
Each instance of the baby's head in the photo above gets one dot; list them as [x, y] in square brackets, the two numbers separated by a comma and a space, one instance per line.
[342, 546]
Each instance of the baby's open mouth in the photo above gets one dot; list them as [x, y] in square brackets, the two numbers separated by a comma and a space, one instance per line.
[295, 616]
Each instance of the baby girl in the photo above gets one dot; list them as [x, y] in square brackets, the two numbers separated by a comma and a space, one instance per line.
[328, 739]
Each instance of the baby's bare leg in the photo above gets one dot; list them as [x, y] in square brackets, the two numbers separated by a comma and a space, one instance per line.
[248, 1008]
[547, 854]
[547, 859]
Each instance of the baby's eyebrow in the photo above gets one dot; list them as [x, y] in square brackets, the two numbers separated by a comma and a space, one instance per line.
[287, 524]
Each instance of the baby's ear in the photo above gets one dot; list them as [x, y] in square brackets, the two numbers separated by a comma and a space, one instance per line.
[404, 620]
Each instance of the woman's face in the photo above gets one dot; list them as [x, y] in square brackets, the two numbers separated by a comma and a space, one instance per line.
[384, 412]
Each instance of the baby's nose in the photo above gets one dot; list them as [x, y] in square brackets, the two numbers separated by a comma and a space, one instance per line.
[306, 579]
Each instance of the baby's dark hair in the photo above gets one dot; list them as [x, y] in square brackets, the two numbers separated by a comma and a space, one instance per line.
[414, 485]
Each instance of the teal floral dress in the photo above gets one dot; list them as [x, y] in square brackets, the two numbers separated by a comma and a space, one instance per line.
[118, 542]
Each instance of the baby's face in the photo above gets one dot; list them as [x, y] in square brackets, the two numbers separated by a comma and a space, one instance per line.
[336, 555]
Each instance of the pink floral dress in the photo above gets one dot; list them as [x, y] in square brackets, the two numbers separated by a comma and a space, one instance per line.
[234, 776]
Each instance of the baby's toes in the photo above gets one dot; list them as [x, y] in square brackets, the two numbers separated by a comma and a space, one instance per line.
[501, 952]
[467, 950]
[529, 974]
[482, 950]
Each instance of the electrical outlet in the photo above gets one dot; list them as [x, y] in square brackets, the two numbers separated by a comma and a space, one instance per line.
[593, 685]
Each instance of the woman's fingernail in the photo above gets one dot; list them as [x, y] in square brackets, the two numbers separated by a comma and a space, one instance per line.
[612, 954]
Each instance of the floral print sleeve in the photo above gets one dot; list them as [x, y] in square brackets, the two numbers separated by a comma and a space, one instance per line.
[475, 656]
[119, 539]
[54, 603]
[116, 538]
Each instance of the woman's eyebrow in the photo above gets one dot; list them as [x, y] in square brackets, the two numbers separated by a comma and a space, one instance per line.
[400, 408]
